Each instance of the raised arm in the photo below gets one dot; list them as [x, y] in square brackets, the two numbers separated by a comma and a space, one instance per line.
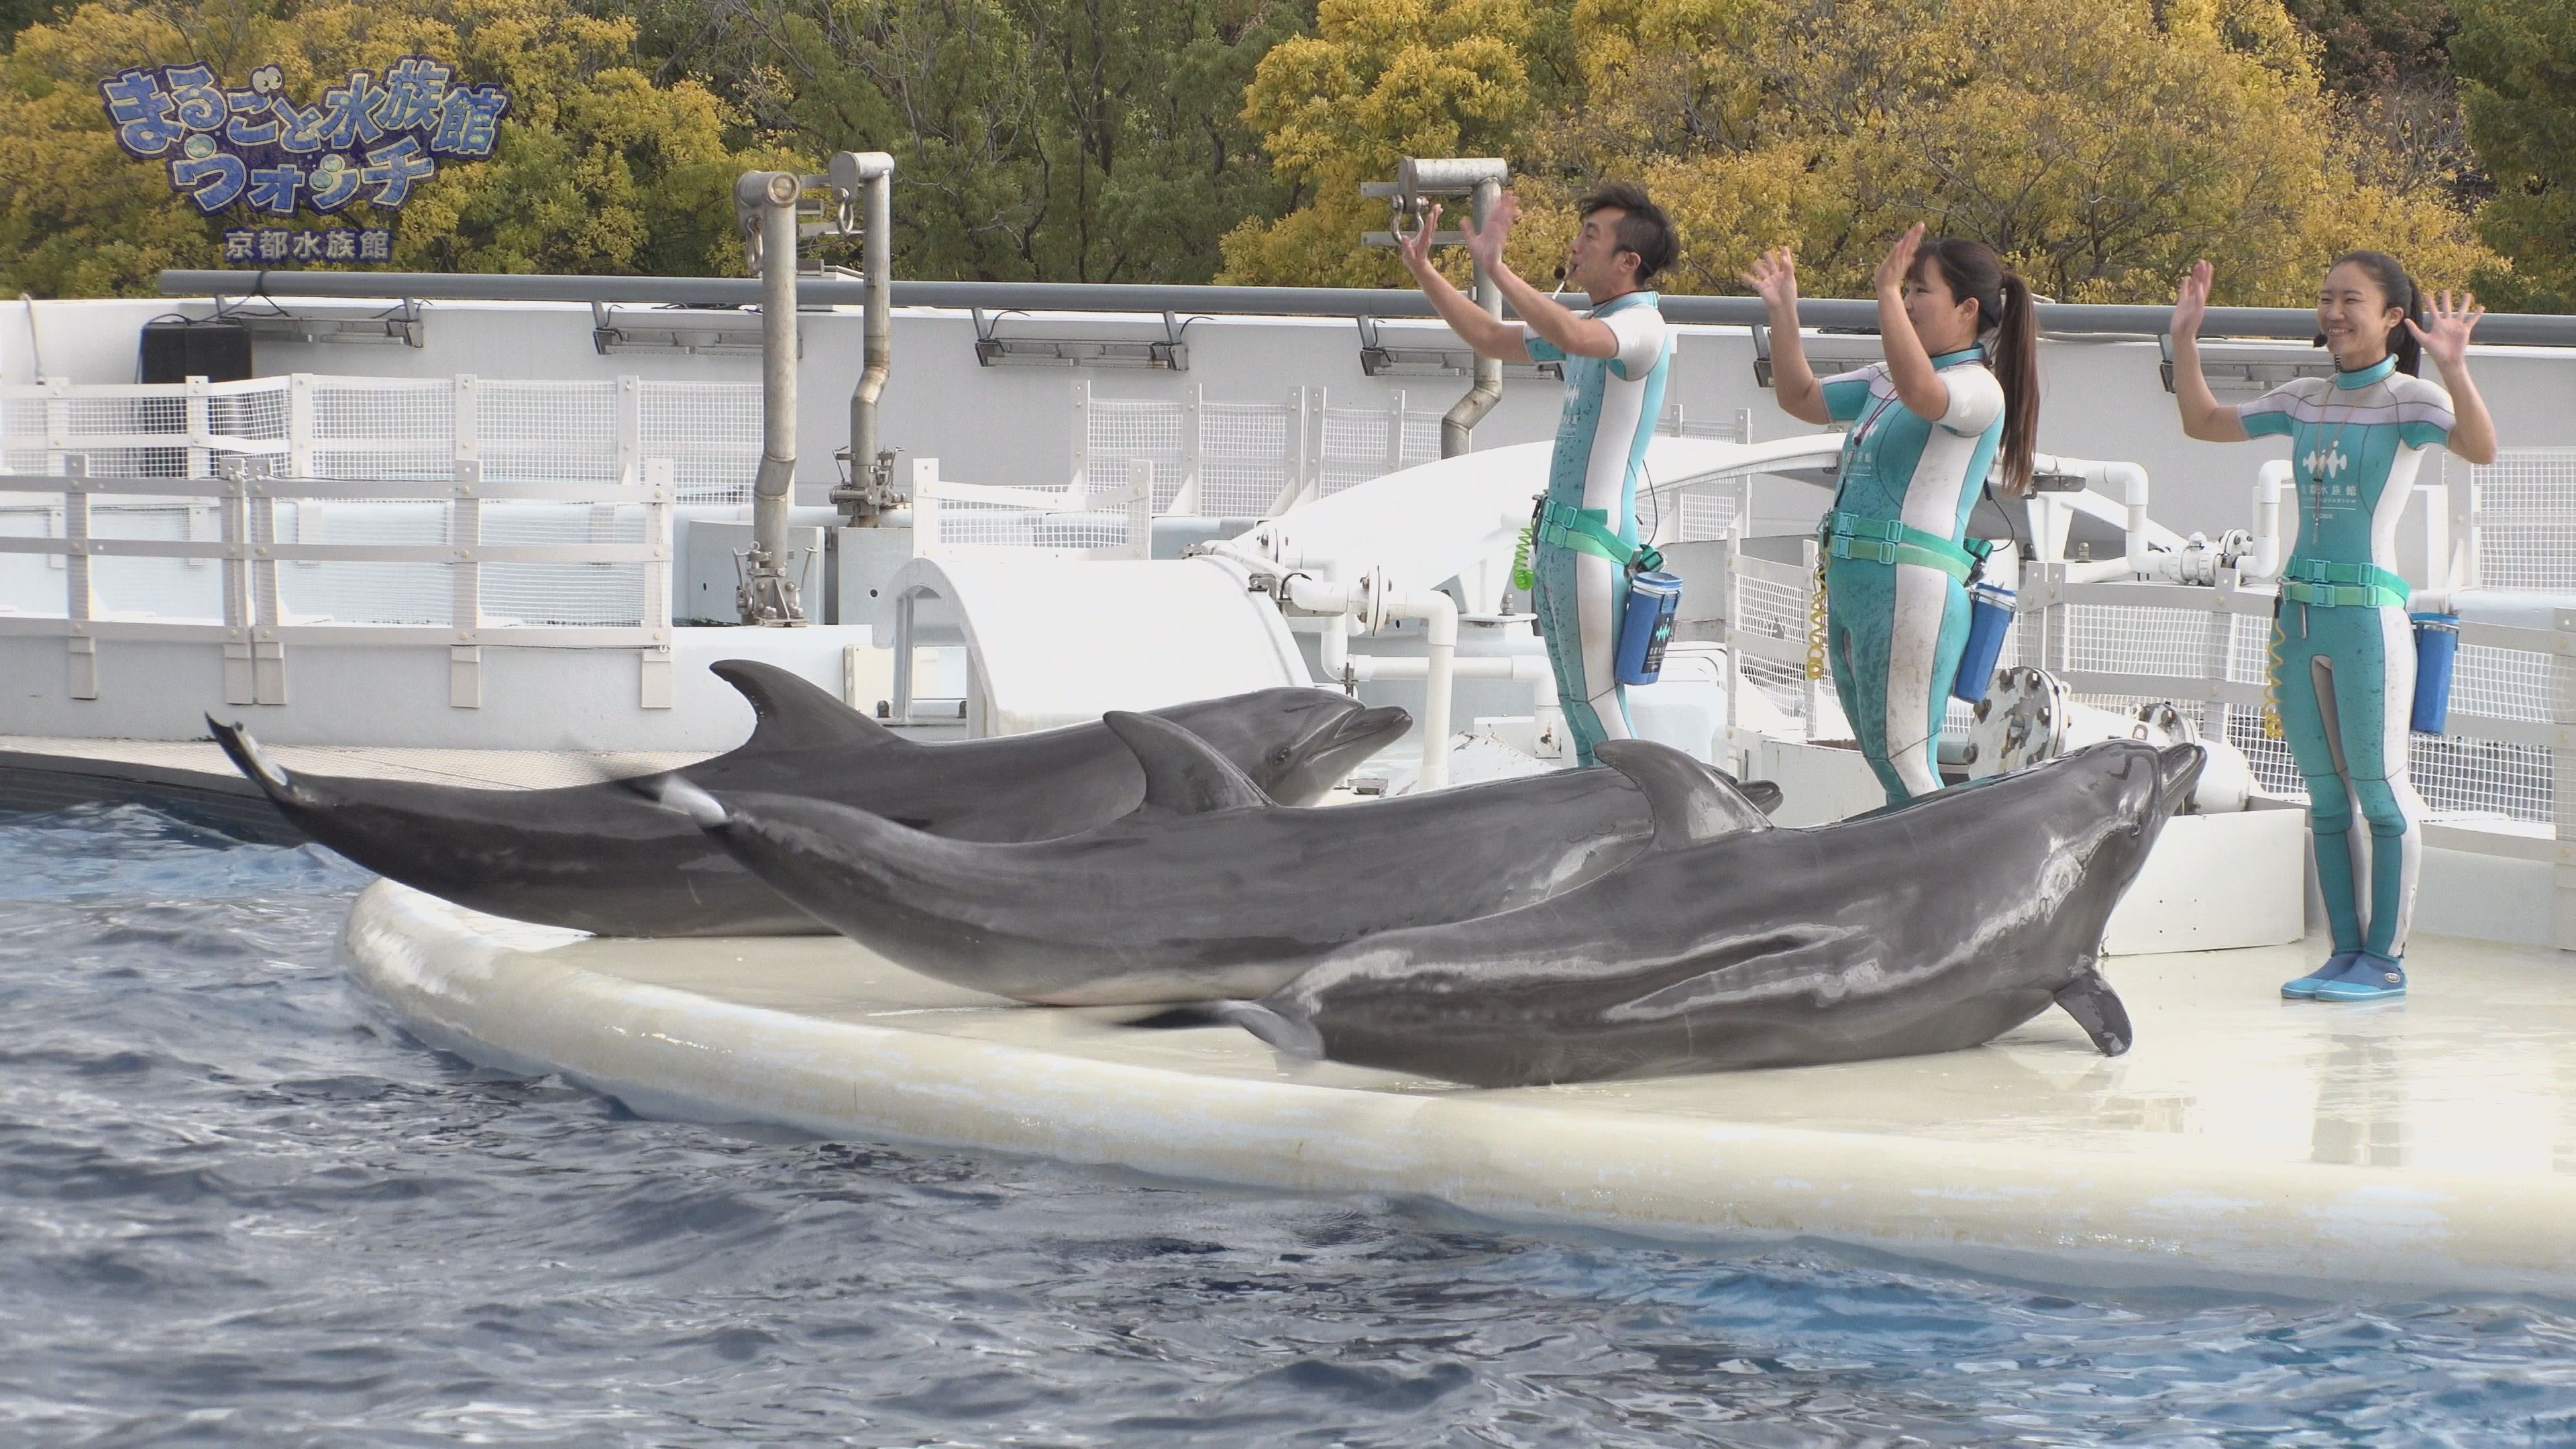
[1909, 367]
[1491, 336]
[1573, 334]
[2203, 415]
[1774, 278]
[2473, 434]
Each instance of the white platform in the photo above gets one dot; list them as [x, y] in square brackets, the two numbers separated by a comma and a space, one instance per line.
[2428, 1144]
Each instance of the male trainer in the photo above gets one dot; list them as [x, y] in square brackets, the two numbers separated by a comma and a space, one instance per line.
[1616, 357]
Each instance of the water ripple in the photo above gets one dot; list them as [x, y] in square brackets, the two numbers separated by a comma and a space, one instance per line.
[233, 1210]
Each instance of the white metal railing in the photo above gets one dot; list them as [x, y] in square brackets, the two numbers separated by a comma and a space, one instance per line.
[359, 510]
[1246, 459]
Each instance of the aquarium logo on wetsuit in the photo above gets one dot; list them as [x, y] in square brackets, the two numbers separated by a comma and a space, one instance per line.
[364, 140]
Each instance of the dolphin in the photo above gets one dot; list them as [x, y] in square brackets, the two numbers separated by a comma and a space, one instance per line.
[1208, 889]
[601, 858]
[1929, 926]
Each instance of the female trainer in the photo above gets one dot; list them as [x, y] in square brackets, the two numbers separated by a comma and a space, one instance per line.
[2343, 651]
[1957, 396]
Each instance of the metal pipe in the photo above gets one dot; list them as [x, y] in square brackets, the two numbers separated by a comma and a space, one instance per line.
[768, 596]
[1458, 425]
[2056, 319]
[870, 173]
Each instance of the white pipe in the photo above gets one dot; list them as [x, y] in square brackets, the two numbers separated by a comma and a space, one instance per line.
[2133, 493]
[2099, 571]
[1334, 649]
[1527, 668]
[2269, 487]
[1439, 613]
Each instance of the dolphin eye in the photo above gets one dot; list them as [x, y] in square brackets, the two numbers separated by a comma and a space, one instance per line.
[1282, 755]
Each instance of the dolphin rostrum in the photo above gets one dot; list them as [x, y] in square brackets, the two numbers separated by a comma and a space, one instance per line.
[1934, 925]
[1208, 889]
[599, 857]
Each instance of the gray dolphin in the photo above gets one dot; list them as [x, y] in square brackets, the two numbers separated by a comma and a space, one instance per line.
[602, 858]
[1926, 927]
[1208, 889]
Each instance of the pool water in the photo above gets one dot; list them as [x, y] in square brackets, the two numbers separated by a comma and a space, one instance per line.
[235, 1209]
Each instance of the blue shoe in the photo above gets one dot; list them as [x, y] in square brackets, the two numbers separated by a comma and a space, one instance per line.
[2306, 986]
[2369, 978]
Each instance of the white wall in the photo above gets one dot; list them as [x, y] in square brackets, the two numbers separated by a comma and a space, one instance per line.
[2101, 399]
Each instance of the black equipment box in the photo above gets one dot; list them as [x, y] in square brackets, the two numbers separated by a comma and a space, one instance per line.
[174, 351]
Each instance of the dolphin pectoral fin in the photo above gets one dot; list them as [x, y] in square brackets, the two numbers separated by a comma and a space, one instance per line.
[2097, 1009]
[1691, 803]
[1183, 773]
[1297, 1038]
[1179, 1018]
[253, 761]
[677, 795]
[795, 714]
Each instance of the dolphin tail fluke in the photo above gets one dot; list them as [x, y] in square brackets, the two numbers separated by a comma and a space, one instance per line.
[796, 714]
[1764, 794]
[2097, 1009]
[253, 761]
[1297, 1038]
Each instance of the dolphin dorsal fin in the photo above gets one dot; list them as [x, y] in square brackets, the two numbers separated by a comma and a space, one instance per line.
[1692, 804]
[1183, 774]
[796, 714]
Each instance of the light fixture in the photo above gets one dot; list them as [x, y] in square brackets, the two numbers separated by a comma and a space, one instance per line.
[1168, 353]
[2248, 368]
[1377, 359]
[694, 331]
[401, 324]
[1825, 360]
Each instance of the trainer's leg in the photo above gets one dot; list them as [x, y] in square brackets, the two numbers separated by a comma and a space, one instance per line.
[2374, 699]
[1927, 634]
[2306, 695]
[1552, 599]
[1600, 592]
[1858, 600]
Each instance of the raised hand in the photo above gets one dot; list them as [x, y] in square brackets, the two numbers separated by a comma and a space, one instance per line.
[1894, 272]
[1486, 244]
[1774, 278]
[2191, 303]
[1415, 246]
[2448, 338]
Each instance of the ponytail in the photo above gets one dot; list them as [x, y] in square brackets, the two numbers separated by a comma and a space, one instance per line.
[2009, 326]
[2016, 354]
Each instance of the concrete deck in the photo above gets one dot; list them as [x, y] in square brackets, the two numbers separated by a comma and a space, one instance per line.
[2427, 1144]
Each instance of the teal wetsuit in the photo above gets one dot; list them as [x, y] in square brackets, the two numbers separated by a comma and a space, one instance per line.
[1611, 404]
[1896, 610]
[2345, 677]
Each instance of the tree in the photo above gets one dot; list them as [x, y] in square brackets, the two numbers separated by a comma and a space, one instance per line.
[1077, 140]
[2100, 158]
[2517, 63]
[1381, 80]
[596, 168]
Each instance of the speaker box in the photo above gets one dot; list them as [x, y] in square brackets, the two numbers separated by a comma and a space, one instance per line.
[174, 351]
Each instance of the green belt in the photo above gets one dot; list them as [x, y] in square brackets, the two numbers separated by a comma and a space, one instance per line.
[1884, 540]
[2326, 585]
[1587, 530]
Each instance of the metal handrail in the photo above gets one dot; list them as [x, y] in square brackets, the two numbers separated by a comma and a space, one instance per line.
[2057, 319]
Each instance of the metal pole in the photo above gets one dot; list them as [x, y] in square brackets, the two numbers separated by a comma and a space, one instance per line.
[870, 488]
[767, 595]
[1458, 425]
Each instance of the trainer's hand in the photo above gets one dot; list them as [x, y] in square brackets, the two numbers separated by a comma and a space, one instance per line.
[1485, 243]
[1415, 246]
[1898, 269]
[1774, 278]
[2448, 338]
[2191, 303]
